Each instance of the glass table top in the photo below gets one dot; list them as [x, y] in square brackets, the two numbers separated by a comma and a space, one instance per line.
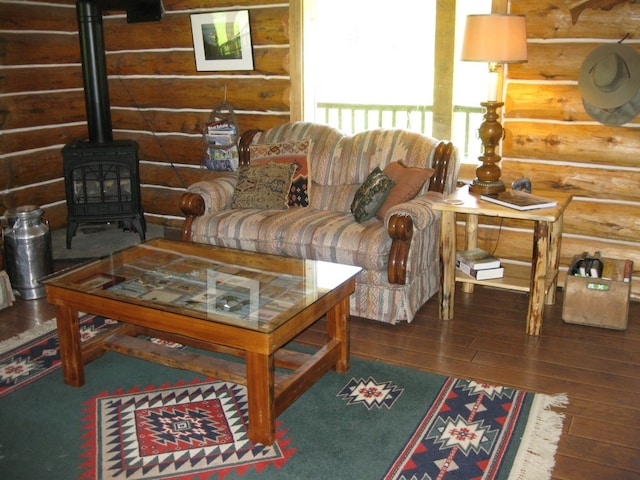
[245, 289]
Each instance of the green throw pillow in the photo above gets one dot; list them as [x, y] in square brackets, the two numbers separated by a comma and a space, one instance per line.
[264, 186]
[371, 195]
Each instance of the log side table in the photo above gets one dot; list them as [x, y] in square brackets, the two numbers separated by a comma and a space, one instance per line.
[540, 280]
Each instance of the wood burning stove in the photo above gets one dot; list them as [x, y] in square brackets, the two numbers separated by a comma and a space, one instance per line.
[102, 184]
[102, 179]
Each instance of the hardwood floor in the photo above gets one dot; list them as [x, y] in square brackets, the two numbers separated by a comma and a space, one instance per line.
[599, 369]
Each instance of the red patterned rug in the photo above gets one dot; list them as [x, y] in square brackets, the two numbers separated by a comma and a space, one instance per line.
[466, 432]
[28, 357]
[178, 432]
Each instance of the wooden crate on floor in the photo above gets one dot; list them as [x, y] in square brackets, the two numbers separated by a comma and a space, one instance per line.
[598, 302]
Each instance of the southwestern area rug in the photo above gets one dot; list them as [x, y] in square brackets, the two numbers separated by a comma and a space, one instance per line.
[138, 420]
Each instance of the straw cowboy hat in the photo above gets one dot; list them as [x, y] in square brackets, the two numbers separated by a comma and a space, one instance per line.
[609, 82]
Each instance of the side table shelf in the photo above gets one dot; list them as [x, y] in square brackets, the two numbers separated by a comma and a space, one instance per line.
[539, 280]
[516, 277]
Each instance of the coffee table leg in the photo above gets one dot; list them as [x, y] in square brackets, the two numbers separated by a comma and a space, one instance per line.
[70, 346]
[338, 329]
[261, 392]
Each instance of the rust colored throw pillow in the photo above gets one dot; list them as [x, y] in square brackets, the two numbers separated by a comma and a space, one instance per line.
[370, 195]
[288, 152]
[409, 182]
[263, 186]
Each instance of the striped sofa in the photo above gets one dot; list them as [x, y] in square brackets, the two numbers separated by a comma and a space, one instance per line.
[399, 256]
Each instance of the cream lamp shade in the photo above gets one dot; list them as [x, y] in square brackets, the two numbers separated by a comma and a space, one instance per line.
[495, 38]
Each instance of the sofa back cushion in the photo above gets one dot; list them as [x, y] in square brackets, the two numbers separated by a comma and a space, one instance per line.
[339, 162]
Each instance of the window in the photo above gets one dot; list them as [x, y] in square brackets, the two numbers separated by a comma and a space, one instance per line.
[369, 63]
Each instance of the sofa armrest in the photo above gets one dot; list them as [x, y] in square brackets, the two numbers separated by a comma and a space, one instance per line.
[206, 197]
[192, 205]
[217, 193]
[419, 209]
[402, 220]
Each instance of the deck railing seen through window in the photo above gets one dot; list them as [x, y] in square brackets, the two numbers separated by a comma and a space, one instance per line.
[351, 118]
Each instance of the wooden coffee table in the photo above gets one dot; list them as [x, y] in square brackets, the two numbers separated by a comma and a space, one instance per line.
[244, 304]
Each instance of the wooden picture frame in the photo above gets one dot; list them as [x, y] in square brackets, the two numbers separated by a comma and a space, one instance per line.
[222, 41]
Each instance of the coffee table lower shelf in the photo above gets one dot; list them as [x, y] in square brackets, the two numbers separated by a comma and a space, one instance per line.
[304, 368]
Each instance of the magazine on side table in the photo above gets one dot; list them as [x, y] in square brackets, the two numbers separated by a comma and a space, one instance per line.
[519, 200]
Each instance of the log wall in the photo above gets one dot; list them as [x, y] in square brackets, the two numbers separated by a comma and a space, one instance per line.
[552, 140]
[160, 100]
[157, 96]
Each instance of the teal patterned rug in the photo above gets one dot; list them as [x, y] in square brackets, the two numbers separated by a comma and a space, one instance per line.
[133, 419]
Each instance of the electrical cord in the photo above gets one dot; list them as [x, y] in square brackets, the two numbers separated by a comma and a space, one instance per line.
[153, 133]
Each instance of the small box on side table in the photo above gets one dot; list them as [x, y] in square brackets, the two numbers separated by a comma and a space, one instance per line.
[599, 302]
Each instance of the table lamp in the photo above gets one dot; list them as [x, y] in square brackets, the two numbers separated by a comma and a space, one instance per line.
[495, 39]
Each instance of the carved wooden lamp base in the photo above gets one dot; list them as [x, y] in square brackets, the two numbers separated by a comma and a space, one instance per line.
[487, 188]
[487, 179]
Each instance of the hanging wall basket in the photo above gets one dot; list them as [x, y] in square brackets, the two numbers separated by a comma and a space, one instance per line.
[221, 135]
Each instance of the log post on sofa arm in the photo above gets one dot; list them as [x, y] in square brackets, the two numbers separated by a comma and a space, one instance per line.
[243, 146]
[192, 205]
[441, 162]
[400, 230]
[400, 227]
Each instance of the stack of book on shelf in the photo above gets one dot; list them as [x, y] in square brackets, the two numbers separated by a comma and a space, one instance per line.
[479, 264]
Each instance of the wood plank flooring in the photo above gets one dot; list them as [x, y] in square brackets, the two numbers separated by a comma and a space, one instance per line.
[599, 369]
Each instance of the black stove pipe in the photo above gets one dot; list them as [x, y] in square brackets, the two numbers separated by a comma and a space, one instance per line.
[94, 71]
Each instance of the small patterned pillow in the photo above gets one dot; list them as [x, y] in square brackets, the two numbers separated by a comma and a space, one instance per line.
[288, 152]
[263, 186]
[409, 182]
[371, 195]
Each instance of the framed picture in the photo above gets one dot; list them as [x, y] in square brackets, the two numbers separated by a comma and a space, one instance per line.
[222, 41]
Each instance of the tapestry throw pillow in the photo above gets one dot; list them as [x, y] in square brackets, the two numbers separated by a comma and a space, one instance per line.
[371, 195]
[298, 153]
[263, 186]
[409, 182]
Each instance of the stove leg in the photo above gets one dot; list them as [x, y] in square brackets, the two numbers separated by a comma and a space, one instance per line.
[72, 227]
[140, 226]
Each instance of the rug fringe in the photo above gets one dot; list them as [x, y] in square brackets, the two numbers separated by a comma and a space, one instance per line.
[535, 457]
[25, 337]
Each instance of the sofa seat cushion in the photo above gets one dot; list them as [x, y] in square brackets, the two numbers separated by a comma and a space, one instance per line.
[298, 232]
[244, 229]
[335, 237]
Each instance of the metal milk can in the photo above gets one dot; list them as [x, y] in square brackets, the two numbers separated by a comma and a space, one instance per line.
[27, 250]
